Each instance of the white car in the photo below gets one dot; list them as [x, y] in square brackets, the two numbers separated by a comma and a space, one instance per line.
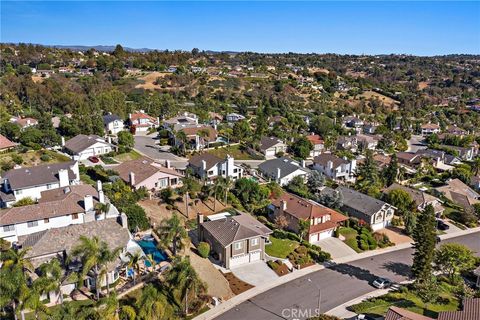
[382, 283]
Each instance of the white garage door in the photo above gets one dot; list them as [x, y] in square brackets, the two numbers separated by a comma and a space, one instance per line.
[239, 260]
[326, 234]
[380, 225]
[255, 256]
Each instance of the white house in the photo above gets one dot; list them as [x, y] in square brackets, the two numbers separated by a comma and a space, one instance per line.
[270, 146]
[283, 170]
[17, 184]
[113, 124]
[317, 143]
[142, 121]
[81, 147]
[209, 167]
[430, 128]
[334, 167]
[234, 117]
[184, 119]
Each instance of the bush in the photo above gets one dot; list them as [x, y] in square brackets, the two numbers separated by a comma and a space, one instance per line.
[45, 157]
[18, 159]
[203, 249]
[136, 217]
[273, 265]
[281, 234]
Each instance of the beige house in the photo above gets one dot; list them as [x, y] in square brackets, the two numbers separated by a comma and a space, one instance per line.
[234, 239]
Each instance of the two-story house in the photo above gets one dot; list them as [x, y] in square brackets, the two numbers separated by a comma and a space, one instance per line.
[377, 213]
[317, 143]
[113, 124]
[181, 120]
[283, 170]
[270, 146]
[420, 198]
[429, 128]
[142, 121]
[322, 220]
[198, 136]
[81, 147]
[334, 167]
[209, 167]
[17, 184]
[234, 239]
[234, 117]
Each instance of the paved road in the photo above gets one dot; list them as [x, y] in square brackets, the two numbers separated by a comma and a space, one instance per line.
[148, 145]
[338, 284]
[416, 143]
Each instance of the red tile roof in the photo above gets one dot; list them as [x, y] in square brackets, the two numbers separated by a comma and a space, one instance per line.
[5, 143]
[315, 139]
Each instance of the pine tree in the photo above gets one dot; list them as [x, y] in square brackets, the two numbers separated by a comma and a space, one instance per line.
[391, 171]
[424, 236]
[368, 180]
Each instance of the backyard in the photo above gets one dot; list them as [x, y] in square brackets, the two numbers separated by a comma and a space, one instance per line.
[280, 248]
[32, 158]
[235, 151]
[132, 155]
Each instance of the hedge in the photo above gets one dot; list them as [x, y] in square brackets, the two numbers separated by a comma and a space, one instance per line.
[280, 234]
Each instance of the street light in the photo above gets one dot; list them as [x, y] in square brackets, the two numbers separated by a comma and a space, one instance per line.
[319, 294]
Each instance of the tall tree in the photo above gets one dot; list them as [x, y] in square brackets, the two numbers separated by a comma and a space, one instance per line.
[390, 173]
[453, 259]
[424, 237]
[172, 233]
[367, 175]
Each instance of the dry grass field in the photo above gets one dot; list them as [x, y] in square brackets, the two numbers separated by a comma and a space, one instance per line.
[149, 80]
[372, 95]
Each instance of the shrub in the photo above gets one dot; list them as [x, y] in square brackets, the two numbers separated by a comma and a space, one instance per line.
[273, 264]
[17, 159]
[203, 249]
[281, 234]
[336, 233]
[45, 157]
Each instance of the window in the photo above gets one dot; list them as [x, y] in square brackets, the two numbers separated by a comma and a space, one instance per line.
[173, 181]
[74, 216]
[17, 192]
[32, 224]
[210, 172]
[238, 245]
[8, 228]
[49, 186]
[235, 170]
[162, 183]
[254, 242]
[46, 220]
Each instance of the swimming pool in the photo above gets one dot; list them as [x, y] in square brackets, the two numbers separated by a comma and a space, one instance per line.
[150, 247]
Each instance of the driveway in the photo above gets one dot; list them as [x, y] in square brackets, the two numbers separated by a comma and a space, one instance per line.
[452, 228]
[255, 273]
[148, 145]
[336, 247]
[415, 143]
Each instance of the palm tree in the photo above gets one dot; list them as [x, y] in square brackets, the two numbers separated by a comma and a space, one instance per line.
[31, 299]
[204, 133]
[227, 184]
[182, 137]
[18, 259]
[134, 262]
[94, 255]
[218, 185]
[109, 308]
[171, 231]
[183, 279]
[152, 304]
[52, 270]
[476, 166]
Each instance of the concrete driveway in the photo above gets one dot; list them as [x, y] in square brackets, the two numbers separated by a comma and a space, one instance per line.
[148, 145]
[452, 228]
[255, 273]
[335, 247]
[416, 143]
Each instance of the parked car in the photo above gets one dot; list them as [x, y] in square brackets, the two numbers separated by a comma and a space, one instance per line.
[382, 283]
[94, 159]
[442, 225]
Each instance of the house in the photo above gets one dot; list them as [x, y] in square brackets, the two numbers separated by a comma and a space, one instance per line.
[5, 144]
[209, 167]
[352, 122]
[215, 118]
[283, 170]
[270, 146]
[234, 239]
[381, 160]
[397, 313]
[142, 122]
[409, 159]
[113, 124]
[198, 136]
[456, 131]
[376, 213]
[24, 122]
[470, 311]
[81, 147]
[146, 173]
[318, 144]
[181, 120]
[334, 167]
[322, 220]
[369, 128]
[464, 153]
[234, 117]
[421, 198]
[59, 243]
[461, 194]
[367, 142]
[349, 143]
[430, 128]
[56, 208]
[17, 184]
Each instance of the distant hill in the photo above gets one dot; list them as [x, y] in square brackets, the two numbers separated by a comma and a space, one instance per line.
[99, 48]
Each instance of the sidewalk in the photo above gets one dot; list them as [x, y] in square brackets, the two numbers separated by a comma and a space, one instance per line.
[229, 304]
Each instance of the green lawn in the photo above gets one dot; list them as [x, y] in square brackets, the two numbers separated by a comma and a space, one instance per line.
[350, 235]
[132, 155]
[280, 248]
[233, 151]
[409, 300]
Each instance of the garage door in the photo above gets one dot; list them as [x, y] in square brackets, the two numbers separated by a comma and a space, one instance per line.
[326, 234]
[255, 256]
[239, 260]
[380, 225]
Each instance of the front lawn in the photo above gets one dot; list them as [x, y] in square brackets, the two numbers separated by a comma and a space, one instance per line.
[234, 151]
[409, 300]
[132, 155]
[280, 248]
[350, 235]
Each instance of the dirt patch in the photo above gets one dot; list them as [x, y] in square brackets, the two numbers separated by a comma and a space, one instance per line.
[375, 95]
[149, 80]
[37, 79]
[396, 235]
[238, 286]
[423, 85]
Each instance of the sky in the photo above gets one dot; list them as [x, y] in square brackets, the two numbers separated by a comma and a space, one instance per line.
[410, 27]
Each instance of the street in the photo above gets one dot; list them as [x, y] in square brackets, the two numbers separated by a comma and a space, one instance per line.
[148, 145]
[337, 284]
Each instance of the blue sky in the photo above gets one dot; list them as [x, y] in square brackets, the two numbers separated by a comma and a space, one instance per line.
[422, 28]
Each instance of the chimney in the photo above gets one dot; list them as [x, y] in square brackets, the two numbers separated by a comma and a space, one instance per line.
[99, 185]
[283, 205]
[88, 203]
[63, 141]
[199, 222]
[6, 186]
[279, 173]
[130, 116]
[167, 164]
[158, 120]
[63, 178]
[303, 163]
[329, 164]
[131, 178]
[109, 139]
[204, 165]
[124, 220]
[101, 196]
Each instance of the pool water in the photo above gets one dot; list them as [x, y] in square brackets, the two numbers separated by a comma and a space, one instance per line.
[150, 247]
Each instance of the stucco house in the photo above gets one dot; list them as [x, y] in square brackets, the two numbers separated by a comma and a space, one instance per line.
[113, 124]
[377, 213]
[81, 147]
[430, 128]
[317, 143]
[146, 173]
[334, 167]
[142, 121]
[235, 239]
[208, 167]
[421, 199]
[283, 170]
[270, 146]
[6, 144]
[323, 221]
